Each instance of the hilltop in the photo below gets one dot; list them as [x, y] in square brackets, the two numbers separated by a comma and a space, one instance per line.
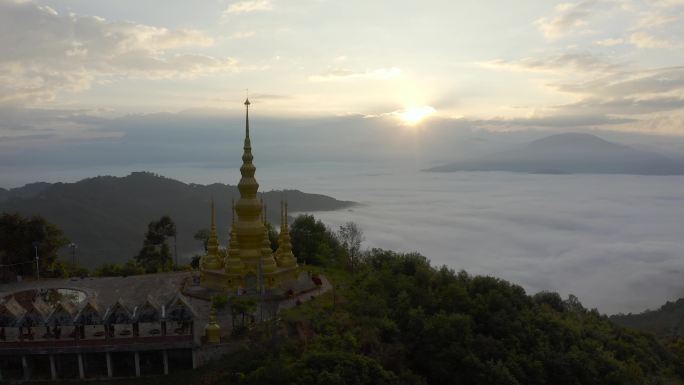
[570, 153]
[107, 216]
[398, 320]
[667, 322]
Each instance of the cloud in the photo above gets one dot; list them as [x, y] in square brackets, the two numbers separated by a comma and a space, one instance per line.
[609, 92]
[658, 18]
[264, 96]
[242, 34]
[646, 40]
[407, 116]
[43, 53]
[626, 106]
[631, 83]
[558, 63]
[248, 6]
[554, 119]
[609, 42]
[616, 245]
[568, 18]
[667, 3]
[346, 74]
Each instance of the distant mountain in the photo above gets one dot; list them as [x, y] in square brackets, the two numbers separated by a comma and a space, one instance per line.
[571, 153]
[666, 322]
[107, 216]
[27, 191]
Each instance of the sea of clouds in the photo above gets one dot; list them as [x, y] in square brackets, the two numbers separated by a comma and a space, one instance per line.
[615, 241]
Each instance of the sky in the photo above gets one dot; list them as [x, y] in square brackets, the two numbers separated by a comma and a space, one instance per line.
[67, 68]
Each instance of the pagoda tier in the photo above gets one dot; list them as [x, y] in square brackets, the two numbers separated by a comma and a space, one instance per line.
[250, 262]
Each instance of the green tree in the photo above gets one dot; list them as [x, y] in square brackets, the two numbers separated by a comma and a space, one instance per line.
[155, 254]
[313, 243]
[351, 237]
[202, 235]
[131, 267]
[21, 238]
[195, 261]
[219, 302]
[242, 306]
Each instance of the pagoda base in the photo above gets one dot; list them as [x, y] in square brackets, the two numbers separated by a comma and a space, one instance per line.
[221, 281]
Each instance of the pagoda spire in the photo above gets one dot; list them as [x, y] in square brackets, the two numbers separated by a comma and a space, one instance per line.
[212, 244]
[212, 260]
[233, 265]
[249, 229]
[247, 140]
[284, 256]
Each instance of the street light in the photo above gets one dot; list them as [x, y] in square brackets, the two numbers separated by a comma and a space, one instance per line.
[73, 253]
[35, 246]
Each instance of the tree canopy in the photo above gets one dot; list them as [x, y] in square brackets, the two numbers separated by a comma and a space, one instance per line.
[19, 238]
[313, 243]
[351, 236]
[155, 254]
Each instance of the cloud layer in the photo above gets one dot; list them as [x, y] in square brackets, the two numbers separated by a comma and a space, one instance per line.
[614, 241]
[248, 6]
[341, 74]
[44, 52]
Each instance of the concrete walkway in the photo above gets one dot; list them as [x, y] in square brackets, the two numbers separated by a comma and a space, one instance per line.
[290, 303]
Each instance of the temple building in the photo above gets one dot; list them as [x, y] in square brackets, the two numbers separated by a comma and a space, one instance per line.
[249, 263]
[72, 338]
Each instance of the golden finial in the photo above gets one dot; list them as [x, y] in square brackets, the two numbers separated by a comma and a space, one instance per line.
[247, 103]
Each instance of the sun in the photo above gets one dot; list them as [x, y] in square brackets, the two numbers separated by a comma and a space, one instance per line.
[414, 115]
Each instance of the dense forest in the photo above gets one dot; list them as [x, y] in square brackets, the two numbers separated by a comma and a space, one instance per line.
[399, 320]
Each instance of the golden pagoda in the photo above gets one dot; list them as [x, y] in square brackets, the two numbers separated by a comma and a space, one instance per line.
[283, 255]
[250, 263]
[212, 260]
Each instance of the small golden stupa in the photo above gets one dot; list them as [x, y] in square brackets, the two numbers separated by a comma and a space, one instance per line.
[212, 332]
[249, 263]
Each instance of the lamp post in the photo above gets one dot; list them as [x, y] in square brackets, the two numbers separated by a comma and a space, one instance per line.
[73, 253]
[35, 246]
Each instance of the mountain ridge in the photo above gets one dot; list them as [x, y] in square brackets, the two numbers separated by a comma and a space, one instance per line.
[667, 322]
[570, 153]
[107, 216]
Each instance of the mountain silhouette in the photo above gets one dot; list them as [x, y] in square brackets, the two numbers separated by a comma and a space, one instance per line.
[107, 216]
[570, 153]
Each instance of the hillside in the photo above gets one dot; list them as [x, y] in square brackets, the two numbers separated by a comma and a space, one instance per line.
[570, 153]
[107, 216]
[666, 322]
[399, 320]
